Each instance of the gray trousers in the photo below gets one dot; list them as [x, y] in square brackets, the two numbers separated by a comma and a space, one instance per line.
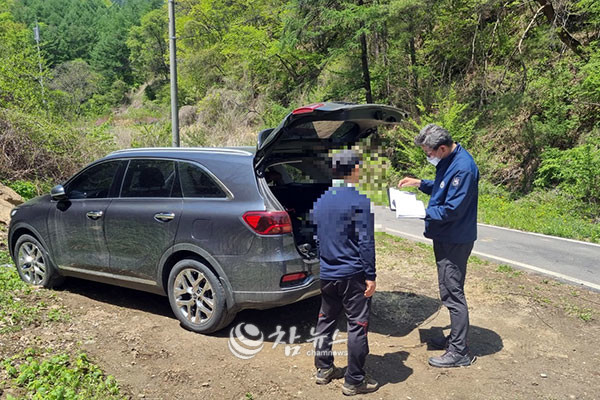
[451, 260]
[347, 295]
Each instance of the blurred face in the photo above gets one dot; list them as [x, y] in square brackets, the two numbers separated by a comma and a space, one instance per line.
[355, 175]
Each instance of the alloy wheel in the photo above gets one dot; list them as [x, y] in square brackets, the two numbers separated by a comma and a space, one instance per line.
[194, 296]
[31, 263]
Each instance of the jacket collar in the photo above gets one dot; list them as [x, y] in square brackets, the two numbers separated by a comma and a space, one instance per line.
[445, 162]
[340, 183]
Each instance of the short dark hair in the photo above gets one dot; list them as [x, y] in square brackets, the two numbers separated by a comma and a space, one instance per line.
[343, 162]
[433, 136]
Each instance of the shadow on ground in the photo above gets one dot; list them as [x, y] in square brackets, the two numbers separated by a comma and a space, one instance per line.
[119, 296]
[481, 341]
[389, 368]
[392, 313]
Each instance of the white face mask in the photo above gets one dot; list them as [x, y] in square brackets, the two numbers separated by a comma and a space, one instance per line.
[433, 160]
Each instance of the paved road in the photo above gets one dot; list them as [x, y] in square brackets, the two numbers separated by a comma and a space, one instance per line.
[565, 259]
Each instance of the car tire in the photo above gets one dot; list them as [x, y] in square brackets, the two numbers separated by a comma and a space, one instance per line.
[33, 263]
[228, 318]
[196, 296]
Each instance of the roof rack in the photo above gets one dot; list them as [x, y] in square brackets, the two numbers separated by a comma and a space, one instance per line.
[223, 150]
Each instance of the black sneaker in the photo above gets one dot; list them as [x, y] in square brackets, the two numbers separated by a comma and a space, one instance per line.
[439, 343]
[368, 385]
[450, 359]
[326, 375]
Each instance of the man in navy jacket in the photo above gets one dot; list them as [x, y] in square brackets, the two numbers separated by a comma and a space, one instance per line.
[345, 237]
[451, 222]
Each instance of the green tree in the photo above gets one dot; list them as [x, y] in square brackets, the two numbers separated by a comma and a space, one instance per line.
[77, 80]
[91, 30]
[576, 171]
[68, 28]
[332, 39]
[148, 46]
[110, 55]
[231, 41]
[19, 70]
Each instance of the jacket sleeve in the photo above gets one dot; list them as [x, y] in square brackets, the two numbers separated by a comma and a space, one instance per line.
[461, 189]
[365, 226]
[426, 186]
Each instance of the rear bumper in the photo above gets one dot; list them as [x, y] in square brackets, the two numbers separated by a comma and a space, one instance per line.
[255, 278]
[269, 299]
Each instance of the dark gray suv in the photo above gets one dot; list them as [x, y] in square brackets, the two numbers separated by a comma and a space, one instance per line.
[217, 230]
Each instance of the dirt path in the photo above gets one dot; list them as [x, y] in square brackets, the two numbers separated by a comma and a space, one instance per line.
[529, 335]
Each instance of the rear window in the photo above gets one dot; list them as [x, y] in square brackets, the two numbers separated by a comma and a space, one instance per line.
[150, 178]
[195, 182]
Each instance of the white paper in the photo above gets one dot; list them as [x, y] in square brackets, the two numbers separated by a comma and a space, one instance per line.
[406, 204]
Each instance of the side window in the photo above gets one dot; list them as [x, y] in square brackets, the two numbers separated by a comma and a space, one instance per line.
[197, 183]
[94, 182]
[150, 178]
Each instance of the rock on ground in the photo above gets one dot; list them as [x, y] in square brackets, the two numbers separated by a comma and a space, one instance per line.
[8, 200]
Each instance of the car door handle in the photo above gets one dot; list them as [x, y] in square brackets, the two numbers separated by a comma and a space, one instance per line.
[164, 217]
[94, 214]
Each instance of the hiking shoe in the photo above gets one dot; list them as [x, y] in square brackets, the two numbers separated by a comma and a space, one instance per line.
[326, 375]
[439, 343]
[450, 359]
[368, 385]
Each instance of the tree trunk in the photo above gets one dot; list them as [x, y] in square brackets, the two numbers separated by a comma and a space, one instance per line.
[561, 31]
[365, 68]
[413, 67]
[365, 63]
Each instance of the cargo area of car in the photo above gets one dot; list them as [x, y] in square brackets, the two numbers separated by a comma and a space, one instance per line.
[297, 184]
[292, 160]
[298, 201]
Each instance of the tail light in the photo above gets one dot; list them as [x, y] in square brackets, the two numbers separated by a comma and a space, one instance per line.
[268, 222]
[292, 279]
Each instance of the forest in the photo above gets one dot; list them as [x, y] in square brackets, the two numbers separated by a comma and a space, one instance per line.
[517, 83]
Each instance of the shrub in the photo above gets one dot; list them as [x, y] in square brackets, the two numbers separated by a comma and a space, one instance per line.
[449, 113]
[27, 190]
[37, 149]
[77, 83]
[60, 376]
[576, 171]
[152, 135]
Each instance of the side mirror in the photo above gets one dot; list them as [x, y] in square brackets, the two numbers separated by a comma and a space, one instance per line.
[58, 193]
